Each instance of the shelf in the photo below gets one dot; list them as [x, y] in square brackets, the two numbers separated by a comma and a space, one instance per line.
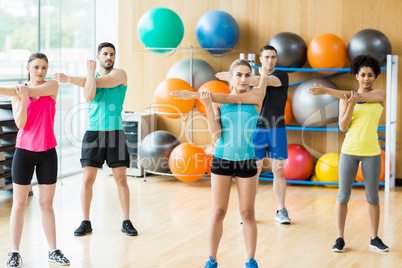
[268, 176]
[334, 129]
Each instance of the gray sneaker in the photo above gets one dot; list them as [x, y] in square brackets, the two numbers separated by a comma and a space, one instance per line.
[58, 257]
[282, 216]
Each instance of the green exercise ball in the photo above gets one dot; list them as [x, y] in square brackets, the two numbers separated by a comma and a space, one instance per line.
[160, 28]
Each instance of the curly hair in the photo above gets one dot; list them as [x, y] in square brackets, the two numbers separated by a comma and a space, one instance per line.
[365, 60]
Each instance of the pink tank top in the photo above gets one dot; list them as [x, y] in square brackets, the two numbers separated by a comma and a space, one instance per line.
[38, 133]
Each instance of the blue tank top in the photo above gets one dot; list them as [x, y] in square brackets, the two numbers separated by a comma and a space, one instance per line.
[238, 122]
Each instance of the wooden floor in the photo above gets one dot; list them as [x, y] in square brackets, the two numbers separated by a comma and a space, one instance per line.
[172, 219]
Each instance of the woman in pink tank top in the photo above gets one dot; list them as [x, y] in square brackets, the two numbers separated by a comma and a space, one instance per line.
[34, 110]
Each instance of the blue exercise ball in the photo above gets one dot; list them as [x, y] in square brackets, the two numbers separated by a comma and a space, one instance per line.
[314, 111]
[217, 29]
[372, 42]
[160, 28]
[155, 150]
[202, 72]
[292, 50]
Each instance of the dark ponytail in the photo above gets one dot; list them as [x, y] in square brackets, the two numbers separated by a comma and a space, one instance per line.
[36, 55]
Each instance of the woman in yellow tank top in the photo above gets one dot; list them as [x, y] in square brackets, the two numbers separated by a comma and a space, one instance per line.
[359, 115]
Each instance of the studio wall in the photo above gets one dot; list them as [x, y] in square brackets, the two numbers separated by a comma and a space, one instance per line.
[258, 21]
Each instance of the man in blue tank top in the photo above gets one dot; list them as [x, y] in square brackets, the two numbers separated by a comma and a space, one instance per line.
[270, 135]
[104, 139]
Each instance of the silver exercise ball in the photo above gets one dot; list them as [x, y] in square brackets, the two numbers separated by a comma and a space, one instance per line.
[372, 42]
[155, 150]
[202, 72]
[314, 111]
[292, 50]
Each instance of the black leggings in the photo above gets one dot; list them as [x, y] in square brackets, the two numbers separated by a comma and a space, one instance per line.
[24, 163]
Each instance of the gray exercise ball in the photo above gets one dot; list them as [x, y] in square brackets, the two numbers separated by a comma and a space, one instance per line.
[314, 111]
[155, 150]
[292, 50]
[202, 72]
[372, 42]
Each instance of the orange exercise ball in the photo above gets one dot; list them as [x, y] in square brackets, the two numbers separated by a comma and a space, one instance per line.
[209, 151]
[359, 175]
[288, 111]
[213, 87]
[327, 51]
[187, 159]
[326, 168]
[167, 103]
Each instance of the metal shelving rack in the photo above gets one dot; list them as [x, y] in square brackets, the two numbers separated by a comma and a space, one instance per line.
[391, 117]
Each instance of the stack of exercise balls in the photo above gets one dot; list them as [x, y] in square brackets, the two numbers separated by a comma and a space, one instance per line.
[155, 151]
[160, 28]
[202, 72]
[291, 49]
[299, 164]
[326, 51]
[326, 168]
[167, 104]
[217, 29]
[188, 162]
[314, 111]
[213, 87]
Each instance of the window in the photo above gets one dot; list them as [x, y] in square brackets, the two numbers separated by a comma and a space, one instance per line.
[65, 32]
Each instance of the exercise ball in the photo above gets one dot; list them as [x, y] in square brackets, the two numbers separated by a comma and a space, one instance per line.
[202, 72]
[299, 164]
[217, 29]
[160, 28]
[167, 103]
[288, 111]
[326, 51]
[213, 87]
[314, 111]
[314, 178]
[291, 48]
[209, 152]
[359, 175]
[187, 159]
[372, 42]
[155, 150]
[326, 168]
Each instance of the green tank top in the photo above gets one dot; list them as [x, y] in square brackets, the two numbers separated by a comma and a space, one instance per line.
[362, 136]
[105, 109]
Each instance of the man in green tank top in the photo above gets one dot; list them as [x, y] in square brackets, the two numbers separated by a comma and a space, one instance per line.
[104, 139]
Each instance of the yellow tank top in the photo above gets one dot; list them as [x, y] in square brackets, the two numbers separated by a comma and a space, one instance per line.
[362, 137]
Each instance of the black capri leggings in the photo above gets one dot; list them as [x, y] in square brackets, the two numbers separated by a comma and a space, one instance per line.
[24, 163]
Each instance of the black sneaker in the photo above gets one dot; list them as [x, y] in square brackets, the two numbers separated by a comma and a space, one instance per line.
[128, 228]
[58, 257]
[84, 228]
[377, 244]
[14, 260]
[339, 245]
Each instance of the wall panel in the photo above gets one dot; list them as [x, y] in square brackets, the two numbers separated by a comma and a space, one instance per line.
[258, 21]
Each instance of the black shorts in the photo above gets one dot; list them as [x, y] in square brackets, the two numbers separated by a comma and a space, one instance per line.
[242, 169]
[98, 146]
[25, 162]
